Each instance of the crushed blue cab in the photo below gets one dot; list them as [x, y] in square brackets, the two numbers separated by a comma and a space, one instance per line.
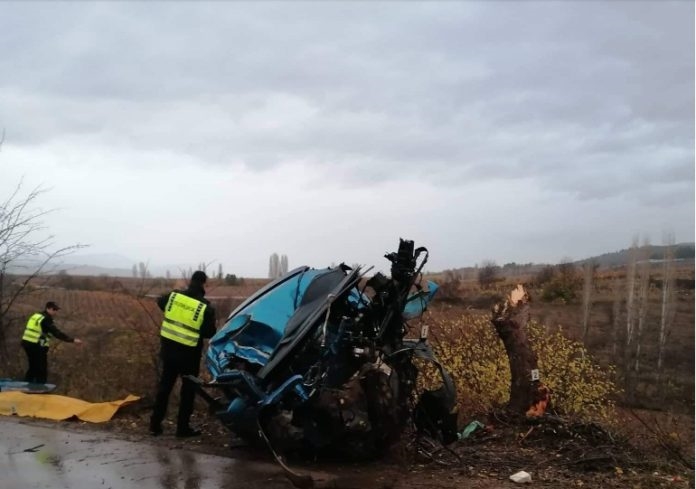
[320, 361]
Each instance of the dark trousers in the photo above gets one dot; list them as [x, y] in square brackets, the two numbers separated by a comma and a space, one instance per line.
[38, 362]
[176, 360]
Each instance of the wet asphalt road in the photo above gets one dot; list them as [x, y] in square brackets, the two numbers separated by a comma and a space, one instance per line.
[42, 456]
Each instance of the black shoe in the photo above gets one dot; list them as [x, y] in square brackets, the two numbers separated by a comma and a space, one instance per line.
[187, 432]
[155, 429]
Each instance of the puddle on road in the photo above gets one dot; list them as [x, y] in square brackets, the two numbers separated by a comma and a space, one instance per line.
[39, 457]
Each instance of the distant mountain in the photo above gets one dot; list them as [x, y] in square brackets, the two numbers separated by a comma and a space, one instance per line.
[26, 267]
[101, 260]
[683, 251]
[112, 265]
[92, 270]
[95, 264]
[115, 265]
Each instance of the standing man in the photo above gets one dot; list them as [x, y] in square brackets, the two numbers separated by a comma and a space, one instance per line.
[188, 319]
[35, 342]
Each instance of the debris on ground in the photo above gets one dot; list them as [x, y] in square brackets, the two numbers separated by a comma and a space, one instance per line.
[521, 477]
[469, 429]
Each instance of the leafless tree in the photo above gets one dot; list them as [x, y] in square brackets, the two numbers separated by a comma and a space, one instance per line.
[667, 310]
[488, 274]
[616, 316]
[26, 251]
[449, 286]
[643, 299]
[142, 294]
[630, 292]
[589, 269]
[204, 266]
[629, 385]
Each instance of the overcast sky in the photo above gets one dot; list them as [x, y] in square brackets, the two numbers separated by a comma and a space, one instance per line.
[177, 133]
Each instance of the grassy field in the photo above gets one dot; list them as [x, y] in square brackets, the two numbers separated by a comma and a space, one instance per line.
[119, 321]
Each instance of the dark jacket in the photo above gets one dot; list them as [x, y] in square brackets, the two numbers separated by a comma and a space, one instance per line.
[49, 328]
[197, 292]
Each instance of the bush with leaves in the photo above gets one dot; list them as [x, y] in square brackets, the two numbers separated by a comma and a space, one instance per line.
[488, 274]
[544, 276]
[449, 286]
[232, 279]
[564, 285]
[470, 349]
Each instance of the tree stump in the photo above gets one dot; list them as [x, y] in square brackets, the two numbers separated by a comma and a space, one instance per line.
[528, 395]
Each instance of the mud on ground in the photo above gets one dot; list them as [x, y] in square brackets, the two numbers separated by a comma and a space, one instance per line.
[558, 453]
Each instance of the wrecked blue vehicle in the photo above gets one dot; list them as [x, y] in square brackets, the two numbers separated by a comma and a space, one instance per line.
[321, 362]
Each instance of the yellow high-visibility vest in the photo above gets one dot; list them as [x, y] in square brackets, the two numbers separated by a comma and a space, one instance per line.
[33, 332]
[183, 317]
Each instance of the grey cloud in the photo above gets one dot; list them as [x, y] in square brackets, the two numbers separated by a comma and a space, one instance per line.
[567, 93]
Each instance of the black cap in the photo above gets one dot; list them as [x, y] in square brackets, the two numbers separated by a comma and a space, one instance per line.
[199, 277]
[52, 305]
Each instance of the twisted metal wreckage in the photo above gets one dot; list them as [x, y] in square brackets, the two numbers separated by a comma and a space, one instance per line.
[317, 362]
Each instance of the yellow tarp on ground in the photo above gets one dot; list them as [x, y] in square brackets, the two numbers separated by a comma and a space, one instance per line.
[51, 406]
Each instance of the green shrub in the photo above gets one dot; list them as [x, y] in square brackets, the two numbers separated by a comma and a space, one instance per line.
[564, 284]
[470, 349]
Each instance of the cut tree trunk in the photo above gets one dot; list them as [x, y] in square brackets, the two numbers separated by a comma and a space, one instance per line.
[528, 395]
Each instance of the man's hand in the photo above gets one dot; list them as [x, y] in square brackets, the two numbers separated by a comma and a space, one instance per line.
[77, 341]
